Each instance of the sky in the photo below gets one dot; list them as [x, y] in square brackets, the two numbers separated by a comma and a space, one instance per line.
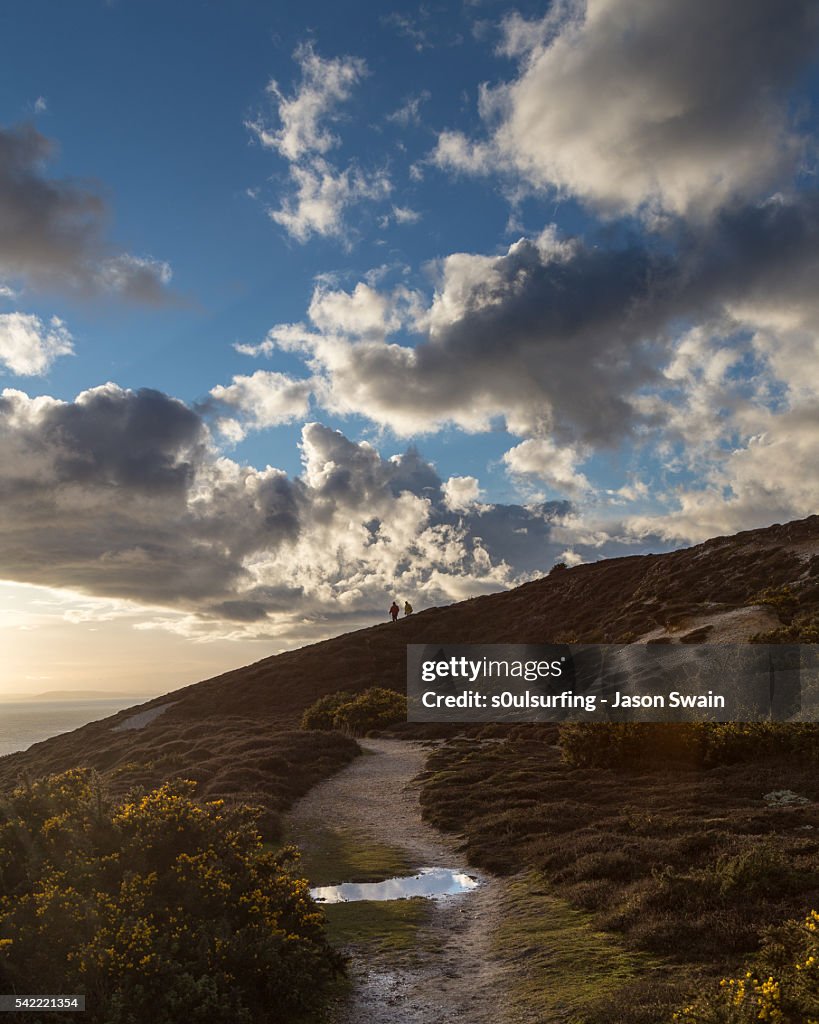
[306, 307]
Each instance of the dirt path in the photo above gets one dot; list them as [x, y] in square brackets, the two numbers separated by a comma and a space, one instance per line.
[450, 977]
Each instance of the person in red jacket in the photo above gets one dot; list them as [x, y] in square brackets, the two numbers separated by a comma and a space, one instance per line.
[394, 610]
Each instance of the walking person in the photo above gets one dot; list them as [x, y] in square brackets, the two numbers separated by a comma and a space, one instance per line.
[394, 610]
[407, 608]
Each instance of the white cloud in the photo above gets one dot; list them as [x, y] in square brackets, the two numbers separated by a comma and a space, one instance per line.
[768, 478]
[365, 312]
[40, 105]
[321, 190]
[28, 346]
[695, 361]
[322, 196]
[455, 152]
[461, 491]
[325, 84]
[263, 399]
[405, 215]
[649, 107]
[554, 464]
[516, 337]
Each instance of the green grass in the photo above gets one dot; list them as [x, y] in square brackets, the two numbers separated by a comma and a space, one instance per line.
[561, 968]
[390, 926]
[330, 856]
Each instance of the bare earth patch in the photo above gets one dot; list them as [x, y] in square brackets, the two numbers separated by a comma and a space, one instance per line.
[449, 974]
[139, 721]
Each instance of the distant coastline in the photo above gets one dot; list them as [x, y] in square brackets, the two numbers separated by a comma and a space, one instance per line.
[57, 695]
[31, 718]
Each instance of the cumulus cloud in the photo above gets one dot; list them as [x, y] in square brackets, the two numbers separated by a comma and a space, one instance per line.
[321, 191]
[743, 437]
[264, 399]
[555, 465]
[455, 152]
[122, 495]
[653, 107]
[571, 341]
[365, 312]
[28, 346]
[768, 477]
[52, 230]
[548, 336]
[461, 492]
[698, 352]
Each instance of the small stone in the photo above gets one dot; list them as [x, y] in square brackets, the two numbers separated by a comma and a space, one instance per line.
[784, 798]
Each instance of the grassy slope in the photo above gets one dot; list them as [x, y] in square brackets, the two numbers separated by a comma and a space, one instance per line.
[244, 719]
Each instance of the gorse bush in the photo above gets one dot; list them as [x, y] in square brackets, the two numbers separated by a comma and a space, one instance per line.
[321, 714]
[802, 630]
[781, 986]
[782, 599]
[159, 908]
[375, 708]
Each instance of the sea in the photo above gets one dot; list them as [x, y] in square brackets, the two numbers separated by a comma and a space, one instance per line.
[23, 722]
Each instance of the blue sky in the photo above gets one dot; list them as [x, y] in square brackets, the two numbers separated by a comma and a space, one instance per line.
[364, 300]
[152, 100]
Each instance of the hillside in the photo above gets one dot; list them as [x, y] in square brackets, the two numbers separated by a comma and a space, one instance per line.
[237, 734]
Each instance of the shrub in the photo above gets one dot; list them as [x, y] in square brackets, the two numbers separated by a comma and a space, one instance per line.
[321, 714]
[160, 908]
[356, 715]
[375, 708]
[801, 631]
[781, 599]
[780, 986]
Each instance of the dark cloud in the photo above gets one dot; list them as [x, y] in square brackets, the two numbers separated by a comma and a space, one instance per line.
[764, 251]
[52, 230]
[142, 441]
[523, 534]
[240, 611]
[564, 339]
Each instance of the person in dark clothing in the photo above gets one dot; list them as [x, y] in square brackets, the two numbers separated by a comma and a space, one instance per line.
[394, 610]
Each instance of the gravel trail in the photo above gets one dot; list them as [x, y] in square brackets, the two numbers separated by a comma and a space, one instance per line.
[458, 983]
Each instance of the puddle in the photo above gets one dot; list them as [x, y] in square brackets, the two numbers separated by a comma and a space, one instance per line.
[433, 883]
